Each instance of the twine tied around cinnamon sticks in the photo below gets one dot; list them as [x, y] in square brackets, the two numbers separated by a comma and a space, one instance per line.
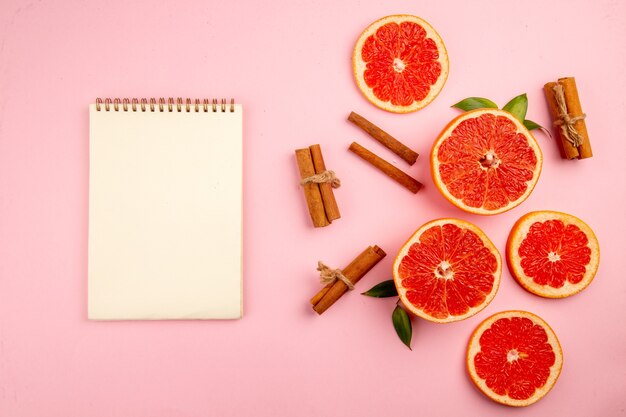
[323, 177]
[329, 276]
[565, 121]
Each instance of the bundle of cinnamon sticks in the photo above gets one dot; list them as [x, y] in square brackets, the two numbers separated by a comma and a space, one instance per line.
[568, 118]
[356, 270]
[318, 186]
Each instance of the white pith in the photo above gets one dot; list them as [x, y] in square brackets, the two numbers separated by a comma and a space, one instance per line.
[553, 257]
[444, 270]
[512, 355]
[490, 160]
[398, 65]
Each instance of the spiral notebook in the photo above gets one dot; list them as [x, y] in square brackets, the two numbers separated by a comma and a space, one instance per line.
[165, 209]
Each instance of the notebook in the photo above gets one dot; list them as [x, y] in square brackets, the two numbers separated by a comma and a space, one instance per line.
[165, 209]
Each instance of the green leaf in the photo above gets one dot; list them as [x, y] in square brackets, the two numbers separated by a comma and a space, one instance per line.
[517, 107]
[402, 324]
[382, 290]
[472, 103]
[530, 125]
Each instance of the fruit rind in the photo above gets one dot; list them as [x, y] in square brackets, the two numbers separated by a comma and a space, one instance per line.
[518, 234]
[358, 64]
[473, 347]
[414, 238]
[434, 162]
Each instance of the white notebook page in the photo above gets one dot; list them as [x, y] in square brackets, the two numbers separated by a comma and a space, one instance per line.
[165, 214]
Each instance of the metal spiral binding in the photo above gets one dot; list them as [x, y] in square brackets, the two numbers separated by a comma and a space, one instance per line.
[170, 105]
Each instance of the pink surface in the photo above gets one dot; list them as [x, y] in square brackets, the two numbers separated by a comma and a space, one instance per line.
[289, 63]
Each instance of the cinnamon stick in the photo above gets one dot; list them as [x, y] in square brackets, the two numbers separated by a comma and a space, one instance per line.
[385, 138]
[312, 190]
[360, 266]
[317, 297]
[391, 171]
[568, 151]
[573, 110]
[326, 189]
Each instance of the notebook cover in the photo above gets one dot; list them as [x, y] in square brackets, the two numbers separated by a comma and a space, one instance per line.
[165, 214]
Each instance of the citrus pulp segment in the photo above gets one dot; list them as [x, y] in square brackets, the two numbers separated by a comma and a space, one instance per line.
[514, 358]
[447, 271]
[400, 63]
[552, 254]
[485, 161]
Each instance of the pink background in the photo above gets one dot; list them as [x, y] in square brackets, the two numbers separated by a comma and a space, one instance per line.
[289, 63]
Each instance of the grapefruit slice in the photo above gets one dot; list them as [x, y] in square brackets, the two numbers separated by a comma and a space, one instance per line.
[400, 63]
[447, 271]
[552, 254]
[514, 358]
[485, 161]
